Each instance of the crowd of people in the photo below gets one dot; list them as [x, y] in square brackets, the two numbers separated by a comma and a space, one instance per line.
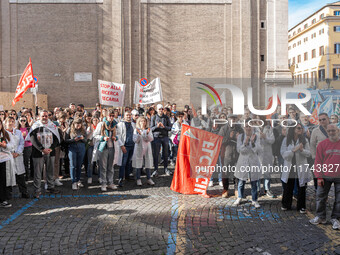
[61, 143]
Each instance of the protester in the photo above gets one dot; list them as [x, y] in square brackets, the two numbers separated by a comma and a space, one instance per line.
[76, 140]
[327, 158]
[160, 126]
[125, 131]
[44, 137]
[17, 153]
[248, 163]
[176, 133]
[105, 133]
[90, 146]
[142, 136]
[267, 139]
[295, 151]
[7, 173]
[24, 128]
[229, 154]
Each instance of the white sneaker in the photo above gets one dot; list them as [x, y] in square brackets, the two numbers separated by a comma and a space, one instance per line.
[238, 201]
[100, 180]
[112, 186]
[139, 182]
[220, 183]
[150, 182]
[75, 186]
[317, 220]
[103, 188]
[57, 182]
[46, 186]
[89, 180]
[256, 204]
[335, 224]
[80, 185]
[211, 184]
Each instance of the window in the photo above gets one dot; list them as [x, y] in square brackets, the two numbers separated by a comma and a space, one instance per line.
[306, 25]
[263, 24]
[321, 74]
[313, 77]
[305, 56]
[337, 48]
[305, 78]
[299, 59]
[322, 16]
[336, 13]
[313, 21]
[336, 28]
[299, 43]
[289, 62]
[313, 35]
[336, 73]
[299, 30]
[262, 58]
[293, 63]
[321, 31]
[294, 45]
[321, 51]
[294, 33]
[290, 47]
[305, 39]
[289, 36]
[314, 53]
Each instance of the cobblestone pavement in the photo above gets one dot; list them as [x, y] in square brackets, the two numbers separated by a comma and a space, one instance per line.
[155, 220]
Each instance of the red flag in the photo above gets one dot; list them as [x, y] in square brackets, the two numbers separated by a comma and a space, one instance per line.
[314, 117]
[270, 102]
[198, 151]
[26, 81]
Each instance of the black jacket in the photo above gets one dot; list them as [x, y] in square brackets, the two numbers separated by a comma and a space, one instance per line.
[160, 131]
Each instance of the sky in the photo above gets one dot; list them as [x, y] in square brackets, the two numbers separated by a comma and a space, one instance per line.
[301, 9]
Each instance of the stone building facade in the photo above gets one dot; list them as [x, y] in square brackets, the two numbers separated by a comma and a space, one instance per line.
[73, 43]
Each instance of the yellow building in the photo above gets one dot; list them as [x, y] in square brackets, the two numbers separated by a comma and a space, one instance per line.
[314, 49]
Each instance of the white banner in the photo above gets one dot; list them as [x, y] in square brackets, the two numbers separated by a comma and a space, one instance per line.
[111, 93]
[149, 94]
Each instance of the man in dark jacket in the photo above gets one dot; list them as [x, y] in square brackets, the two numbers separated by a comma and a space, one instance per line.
[160, 126]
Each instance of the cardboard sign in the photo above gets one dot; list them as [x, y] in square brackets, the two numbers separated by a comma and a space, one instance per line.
[149, 94]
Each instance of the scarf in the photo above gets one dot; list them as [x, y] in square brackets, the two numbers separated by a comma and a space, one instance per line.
[50, 126]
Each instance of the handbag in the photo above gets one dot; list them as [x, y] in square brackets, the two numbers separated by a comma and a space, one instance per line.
[176, 140]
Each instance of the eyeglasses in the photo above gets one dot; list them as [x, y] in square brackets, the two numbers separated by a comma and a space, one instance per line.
[12, 114]
[331, 130]
[22, 120]
[322, 119]
[44, 116]
[2, 114]
[111, 115]
[299, 128]
[50, 115]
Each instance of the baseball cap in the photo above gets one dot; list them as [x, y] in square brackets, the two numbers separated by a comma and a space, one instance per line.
[159, 106]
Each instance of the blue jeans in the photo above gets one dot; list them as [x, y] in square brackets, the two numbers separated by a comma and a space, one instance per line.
[158, 142]
[76, 153]
[241, 185]
[138, 171]
[126, 167]
[266, 184]
[89, 161]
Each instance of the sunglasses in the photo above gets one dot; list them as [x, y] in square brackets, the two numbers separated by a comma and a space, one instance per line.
[22, 120]
[332, 130]
[299, 128]
[323, 119]
[12, 114]
[2, 114]
[111, 115]
[50, 115]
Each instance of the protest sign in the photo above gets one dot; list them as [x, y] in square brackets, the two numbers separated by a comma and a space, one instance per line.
[111, 93]
[148, 94]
